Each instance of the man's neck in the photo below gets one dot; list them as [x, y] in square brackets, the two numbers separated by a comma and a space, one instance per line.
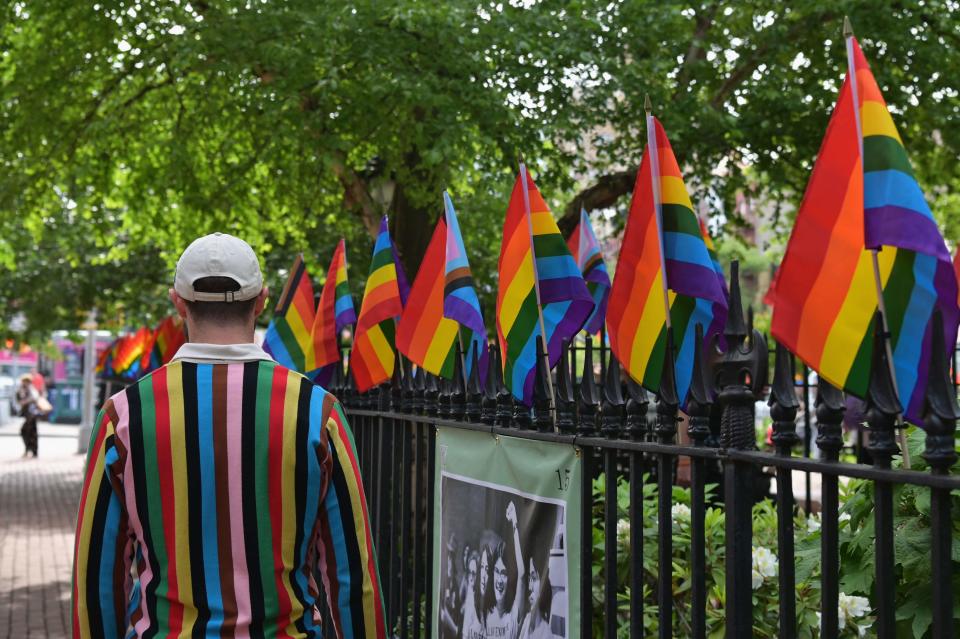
[210, 334]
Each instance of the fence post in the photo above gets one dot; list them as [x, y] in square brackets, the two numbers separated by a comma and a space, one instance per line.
[637, 428]
[611, 425]
[698, 410]
[882, 409]
[940, 424]
[587, 427]
[667, 406]
[830, 409]
[740, 370]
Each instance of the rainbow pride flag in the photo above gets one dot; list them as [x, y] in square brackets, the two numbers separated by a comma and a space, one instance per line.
[863, 195]
[334, 312]
[534, 256]
[636, 314]
[956, 269]
[372, 355]
[585, 249]
[287, 338]
[166, 339]
[442, 301]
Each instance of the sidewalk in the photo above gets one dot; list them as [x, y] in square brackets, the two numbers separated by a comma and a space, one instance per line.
[38, 507]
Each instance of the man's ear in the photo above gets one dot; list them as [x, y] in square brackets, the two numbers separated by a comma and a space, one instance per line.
[261, 302]
[179, 303]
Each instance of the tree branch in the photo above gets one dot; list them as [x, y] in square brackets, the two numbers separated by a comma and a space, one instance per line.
[603, 193]
[356, 197]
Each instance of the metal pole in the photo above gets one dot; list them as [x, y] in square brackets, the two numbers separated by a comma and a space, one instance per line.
[87, 414]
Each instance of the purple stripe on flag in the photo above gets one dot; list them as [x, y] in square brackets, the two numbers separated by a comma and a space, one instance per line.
[564, 289]
[694, 280]
[568, 326]
[461, 311]
[903, 228]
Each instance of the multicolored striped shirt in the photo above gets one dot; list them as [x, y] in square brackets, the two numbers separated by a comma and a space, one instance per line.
[215, 489]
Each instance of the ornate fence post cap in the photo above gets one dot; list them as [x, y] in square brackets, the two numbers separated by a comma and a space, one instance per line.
[589, 394]
[431, 394]
[541, 392]
[504, 413]
[396, 382]
[613, 403]
[940, 410]
[566, 400]
[741, 372]
[701, 394]
[488, 406]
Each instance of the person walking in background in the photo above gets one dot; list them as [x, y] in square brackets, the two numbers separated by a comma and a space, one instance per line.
[219, 485]
[27, 397]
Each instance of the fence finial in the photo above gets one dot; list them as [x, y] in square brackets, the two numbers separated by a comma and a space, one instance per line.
[701, 394]
[882, 403]
[504, 396]
[541, 392]
[783, 401]
[589, 395]
[407, 386]
[735, 329]
[637, 404]
[474, 389]
[565, 398]
[667, 400]
[458, 389]
[488, 407]
[612, 407]
[940, 411]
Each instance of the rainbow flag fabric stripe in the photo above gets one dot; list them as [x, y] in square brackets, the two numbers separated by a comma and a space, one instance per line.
[533, 254]
[424, 334]
[372, 356]
[862, 194]
[460, 301]
[585, 249]
[636, 314]
[442, 301]
[168, 337]
[288, 339]
[334, 312]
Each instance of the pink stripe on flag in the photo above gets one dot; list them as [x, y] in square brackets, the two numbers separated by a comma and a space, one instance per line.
[235, 495]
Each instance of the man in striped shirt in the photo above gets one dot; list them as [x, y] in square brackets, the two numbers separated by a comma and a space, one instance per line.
[218, 486]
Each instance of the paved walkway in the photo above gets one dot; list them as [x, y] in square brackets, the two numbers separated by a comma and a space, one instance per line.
[38, 508]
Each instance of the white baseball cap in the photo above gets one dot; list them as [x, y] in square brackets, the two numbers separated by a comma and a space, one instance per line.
[218, 255]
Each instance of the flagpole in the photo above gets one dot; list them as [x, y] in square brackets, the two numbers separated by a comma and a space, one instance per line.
[536, 278]
[874, 253]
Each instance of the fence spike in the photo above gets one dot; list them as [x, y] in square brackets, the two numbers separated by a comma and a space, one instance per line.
[735, 330]
[612, 408]
[637, 403]
[541, 393]
[488, 407]
[474, 389]
[701, 394]
[940, 412]
[565, 398]
[396, 383]
[407, 386]
[504, 397]
[458, 391]
[882, 403]
[416, 402]
[783, 401]
[667, 400]
[589, 395]
[431, 394]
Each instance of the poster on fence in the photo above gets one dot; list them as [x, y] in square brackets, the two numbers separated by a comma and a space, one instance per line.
[506, 539]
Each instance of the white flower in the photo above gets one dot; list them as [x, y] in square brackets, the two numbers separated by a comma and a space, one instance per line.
[850, 607]
[764, 565]
[813, 523]
[843, 517]
[623, 531]
[680, 512]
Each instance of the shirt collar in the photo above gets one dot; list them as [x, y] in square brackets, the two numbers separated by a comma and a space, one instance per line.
[220, 353]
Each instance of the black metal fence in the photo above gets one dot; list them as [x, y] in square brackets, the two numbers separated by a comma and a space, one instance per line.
[606, 417]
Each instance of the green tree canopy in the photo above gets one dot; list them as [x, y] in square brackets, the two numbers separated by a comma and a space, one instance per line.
[128, 128]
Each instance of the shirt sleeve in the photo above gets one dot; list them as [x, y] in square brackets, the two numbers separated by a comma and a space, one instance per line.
[346, 557]
[103, 549]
